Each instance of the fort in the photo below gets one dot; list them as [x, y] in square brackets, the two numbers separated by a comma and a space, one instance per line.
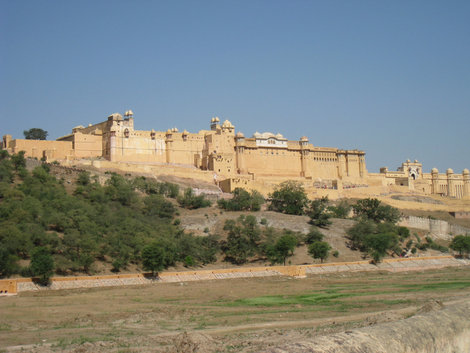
[232, 160]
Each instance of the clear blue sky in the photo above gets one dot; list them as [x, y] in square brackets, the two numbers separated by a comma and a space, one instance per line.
[389, 77]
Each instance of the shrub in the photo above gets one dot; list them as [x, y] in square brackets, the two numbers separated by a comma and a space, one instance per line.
[242, 200]
[313, 236]
[290, 198]
[372, 209]
[319, 250]
[461, 243]
[318, 213]
[282, 249]
[191, 201]
[42, 265]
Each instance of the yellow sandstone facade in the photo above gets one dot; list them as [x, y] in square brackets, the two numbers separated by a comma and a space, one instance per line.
[232, 160]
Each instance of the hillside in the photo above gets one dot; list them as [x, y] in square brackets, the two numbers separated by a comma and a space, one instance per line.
[98, 221]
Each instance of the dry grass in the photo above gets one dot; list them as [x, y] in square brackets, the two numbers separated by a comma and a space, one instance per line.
[225, 315]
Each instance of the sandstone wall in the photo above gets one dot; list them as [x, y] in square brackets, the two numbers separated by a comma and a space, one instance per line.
[434, 226]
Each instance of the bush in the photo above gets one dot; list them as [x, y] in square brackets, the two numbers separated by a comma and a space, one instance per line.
[313, 236]
[340, 210]
[242, 200]
[290, 198]
[191, 201]
[243, 239]
[282, 249]
[153, 258]
[335, 253]
[372, 209]
[319, 250]
[42, 265]
[318, 213]
[461, 243]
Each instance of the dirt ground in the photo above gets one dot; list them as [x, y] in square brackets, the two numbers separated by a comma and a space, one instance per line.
[242, 315]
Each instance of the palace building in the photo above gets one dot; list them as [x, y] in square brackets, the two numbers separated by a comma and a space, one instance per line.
[233, 160]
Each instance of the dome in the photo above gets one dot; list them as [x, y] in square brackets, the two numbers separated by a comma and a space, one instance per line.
[434, 170]
[465, 171]
[216, 119]
[227, 124]
[304, 138]
[185, 132]
[416, 161]
[168, 131]
[450, 171]
[257, 134]
[279, 136]
[240, 135]
[129, 113]
[408, 161]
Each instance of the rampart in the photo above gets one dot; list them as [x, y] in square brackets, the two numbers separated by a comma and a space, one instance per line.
[14, 286]
[434, 226]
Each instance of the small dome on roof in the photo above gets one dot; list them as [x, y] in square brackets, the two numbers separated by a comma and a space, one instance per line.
[168, 131]
[185, 132]
[465, 171]
[174, 129]
[240, 134]
[408, 161]
[257, 134]
[434, 170]
[279, 136]
[416, 161]
[227, 124]
[304, 138]
[129, 113]
[450, 171]
[216, 119]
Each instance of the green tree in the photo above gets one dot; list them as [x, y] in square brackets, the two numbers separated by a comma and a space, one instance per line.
[42, 264]
[35, 134]
[319, 250]
[242, 200]
[282, 249]
[190, 201]
[372, 209]
[341, 210]
[378, 244]
[18, 160]
[313, 236]
[289, 197]
[153, 258]
[319, 213]
[156, 205]
[461, 243]
[242, 240]
[8, 264]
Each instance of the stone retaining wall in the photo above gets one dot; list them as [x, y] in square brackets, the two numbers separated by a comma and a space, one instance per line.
[434, 226]
[13, 286]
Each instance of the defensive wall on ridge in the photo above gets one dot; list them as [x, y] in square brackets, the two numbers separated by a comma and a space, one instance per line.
[14, 286]
[434, 226]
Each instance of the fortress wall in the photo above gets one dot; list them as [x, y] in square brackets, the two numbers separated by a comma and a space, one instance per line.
[434, 226]
[138, 149]
[39, 148]
[275, 161]
[14, 286]
[86, 145]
